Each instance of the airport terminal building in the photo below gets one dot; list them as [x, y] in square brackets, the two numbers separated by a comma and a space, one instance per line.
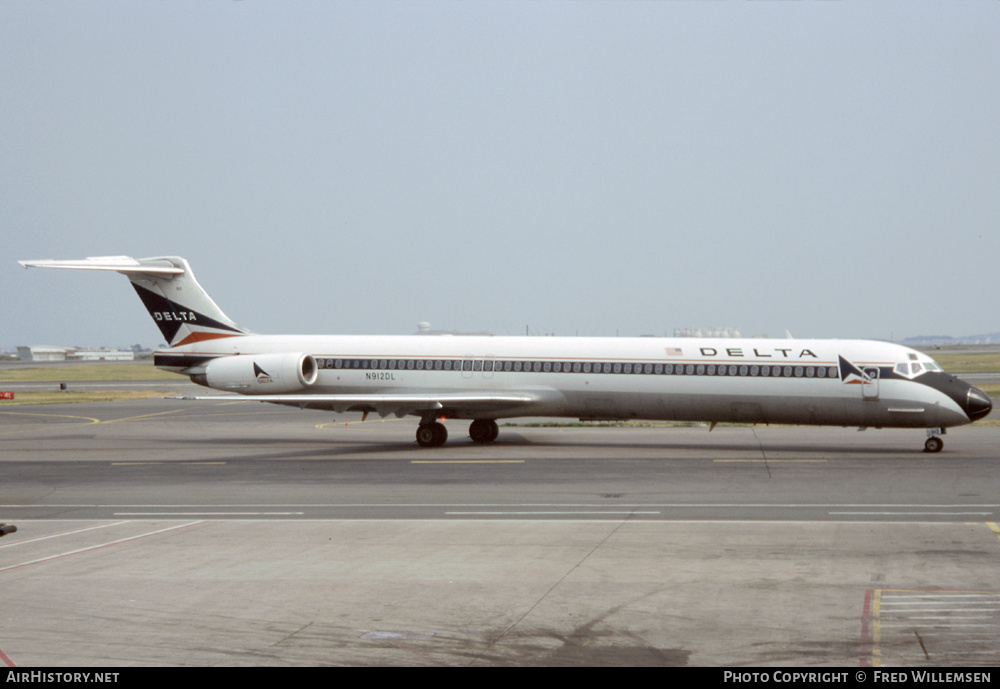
[54, 353]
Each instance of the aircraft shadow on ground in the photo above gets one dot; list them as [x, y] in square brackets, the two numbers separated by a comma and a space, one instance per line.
[304, 447]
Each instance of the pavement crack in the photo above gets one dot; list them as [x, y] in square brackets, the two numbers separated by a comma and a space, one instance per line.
[552, 588]
[760, 445]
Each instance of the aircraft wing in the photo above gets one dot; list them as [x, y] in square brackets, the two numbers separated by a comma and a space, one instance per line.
[399, 404]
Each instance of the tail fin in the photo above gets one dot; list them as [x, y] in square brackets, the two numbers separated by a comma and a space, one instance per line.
[180, 307]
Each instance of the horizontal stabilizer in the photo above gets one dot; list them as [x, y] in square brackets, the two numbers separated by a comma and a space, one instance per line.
[182, 310]
[120, 264]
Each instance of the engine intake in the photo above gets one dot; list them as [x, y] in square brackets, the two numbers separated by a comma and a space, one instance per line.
[261, 374]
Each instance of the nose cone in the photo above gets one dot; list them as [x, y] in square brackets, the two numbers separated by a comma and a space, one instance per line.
[977, 404]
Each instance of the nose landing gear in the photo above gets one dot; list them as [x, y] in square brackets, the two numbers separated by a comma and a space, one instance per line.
[934, 442]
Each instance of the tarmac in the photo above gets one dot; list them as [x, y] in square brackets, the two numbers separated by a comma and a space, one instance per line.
[179, 533]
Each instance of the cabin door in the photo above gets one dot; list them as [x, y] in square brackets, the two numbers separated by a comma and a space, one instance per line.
[869, 389]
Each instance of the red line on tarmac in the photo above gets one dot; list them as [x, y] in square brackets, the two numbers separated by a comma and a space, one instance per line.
[5, 659]
[865, 633]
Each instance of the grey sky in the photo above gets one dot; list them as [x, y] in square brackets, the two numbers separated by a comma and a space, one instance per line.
[830, 168]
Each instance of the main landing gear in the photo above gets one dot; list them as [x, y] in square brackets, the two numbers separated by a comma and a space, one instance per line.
[431, 434]
[934, 442]
[484, 431]
[434, 434]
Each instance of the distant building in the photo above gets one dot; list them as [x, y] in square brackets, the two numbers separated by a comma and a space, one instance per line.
[102, 355]
[53, 353]
[424, 328]
[706, 332]
[42, 353]
[936, 340]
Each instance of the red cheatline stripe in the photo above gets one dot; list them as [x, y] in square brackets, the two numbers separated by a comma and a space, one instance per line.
[202, 336]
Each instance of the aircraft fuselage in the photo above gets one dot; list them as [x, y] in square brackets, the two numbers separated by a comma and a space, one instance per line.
[822, 382]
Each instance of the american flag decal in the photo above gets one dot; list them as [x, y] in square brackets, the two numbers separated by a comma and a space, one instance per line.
[674, 351]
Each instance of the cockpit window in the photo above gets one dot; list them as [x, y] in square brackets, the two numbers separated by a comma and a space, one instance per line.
[915, 368]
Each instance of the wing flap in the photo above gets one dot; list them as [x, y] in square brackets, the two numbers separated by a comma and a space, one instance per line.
[398, 404]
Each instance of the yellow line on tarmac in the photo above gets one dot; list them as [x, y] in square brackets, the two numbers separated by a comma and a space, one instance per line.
[90, 419]
[60, 416]
[141, 416]
[354, 422]
[772, 461]
[134, 464]
[87, 421]
[467, 461]
[994, 528]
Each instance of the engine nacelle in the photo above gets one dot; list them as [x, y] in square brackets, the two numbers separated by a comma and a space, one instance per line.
[261, 374]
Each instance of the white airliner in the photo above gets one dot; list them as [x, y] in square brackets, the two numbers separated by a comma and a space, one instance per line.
[815, 382]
